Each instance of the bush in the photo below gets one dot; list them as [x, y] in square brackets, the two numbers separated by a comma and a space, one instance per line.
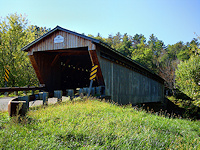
[187, 77]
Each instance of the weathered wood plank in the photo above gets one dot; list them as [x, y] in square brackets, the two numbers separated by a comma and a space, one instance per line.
[126, 86]
[36, 68]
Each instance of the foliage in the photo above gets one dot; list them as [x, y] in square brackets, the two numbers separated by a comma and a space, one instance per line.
[15, 33]
[142, 52]
[97, 125]
[38, 31]
[188, 77]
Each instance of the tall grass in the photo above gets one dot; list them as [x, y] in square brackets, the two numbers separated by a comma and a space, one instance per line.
[92, 124]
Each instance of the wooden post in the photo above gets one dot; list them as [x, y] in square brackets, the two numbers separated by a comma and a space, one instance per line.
[58, 94]
[17, 108]
[98, 90]
[40, 95]
[6, 93]
[70, 92]
[45, 98]
[25, 98]
[33, 91]
[93, 92]
[25, 92]
[90, 88]
[80, 91]
[15, 92]
[85, 90]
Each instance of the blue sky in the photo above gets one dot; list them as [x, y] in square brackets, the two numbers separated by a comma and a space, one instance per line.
[169, 20]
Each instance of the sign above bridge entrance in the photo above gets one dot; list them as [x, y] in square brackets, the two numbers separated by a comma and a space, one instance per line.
[59, 39]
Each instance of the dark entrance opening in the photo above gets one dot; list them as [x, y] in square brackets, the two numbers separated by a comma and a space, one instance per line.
[65, 69]
[75, 70]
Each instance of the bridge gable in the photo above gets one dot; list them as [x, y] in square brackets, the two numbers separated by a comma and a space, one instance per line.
[58, 39]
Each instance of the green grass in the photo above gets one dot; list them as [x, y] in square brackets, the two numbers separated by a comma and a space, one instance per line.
[92, 124]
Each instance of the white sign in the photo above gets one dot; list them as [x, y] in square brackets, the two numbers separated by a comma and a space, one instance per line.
[58, 39]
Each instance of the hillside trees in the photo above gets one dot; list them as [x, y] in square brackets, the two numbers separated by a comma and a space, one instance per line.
[188, 72]
[15, 33]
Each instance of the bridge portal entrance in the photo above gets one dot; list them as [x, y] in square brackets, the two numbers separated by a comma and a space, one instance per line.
[64, 69]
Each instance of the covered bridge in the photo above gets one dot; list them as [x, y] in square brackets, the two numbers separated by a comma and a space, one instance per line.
[62, 60]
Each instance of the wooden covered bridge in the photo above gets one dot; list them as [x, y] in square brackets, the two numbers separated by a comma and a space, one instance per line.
[62, 60]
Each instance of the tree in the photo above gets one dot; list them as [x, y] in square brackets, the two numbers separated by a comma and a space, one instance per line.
[117, 41]
[137, 40]
[171, 56]
[155, 45]
[194, 47]
[99, 37]
[38, 31]
[188, 77]
[109, 40]
[126, 46]
[15, 33]
[143, 54]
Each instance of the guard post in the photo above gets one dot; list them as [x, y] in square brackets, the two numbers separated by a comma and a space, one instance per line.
[92, 77]
[6, 78]
[58, 94]
[45, 98]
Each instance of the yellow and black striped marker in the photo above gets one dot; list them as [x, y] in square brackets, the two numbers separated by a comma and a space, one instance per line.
[6, 75]
[93, 72]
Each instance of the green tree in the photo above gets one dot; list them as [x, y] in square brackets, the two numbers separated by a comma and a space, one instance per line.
[188, 77]
[136, 39]
[126, 46]
[117, 41]
[109, 40]
[194, 47]
[38, 31]
[171, 56]
[14, 34]
[143, 54]
[155, 45]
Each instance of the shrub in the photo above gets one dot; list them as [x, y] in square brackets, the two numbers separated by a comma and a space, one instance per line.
[188, 77]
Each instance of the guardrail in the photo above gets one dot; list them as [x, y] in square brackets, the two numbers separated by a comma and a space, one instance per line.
[20, 105]
[12, 89]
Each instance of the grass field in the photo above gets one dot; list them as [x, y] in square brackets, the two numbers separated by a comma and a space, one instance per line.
[93, 124]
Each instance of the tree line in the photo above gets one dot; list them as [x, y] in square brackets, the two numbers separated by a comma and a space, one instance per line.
[177, 64]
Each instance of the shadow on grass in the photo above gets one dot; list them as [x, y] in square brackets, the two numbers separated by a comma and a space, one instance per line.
[170, 109]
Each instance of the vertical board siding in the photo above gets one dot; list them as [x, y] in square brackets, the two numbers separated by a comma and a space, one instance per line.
[70, 41]
[126, 86]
